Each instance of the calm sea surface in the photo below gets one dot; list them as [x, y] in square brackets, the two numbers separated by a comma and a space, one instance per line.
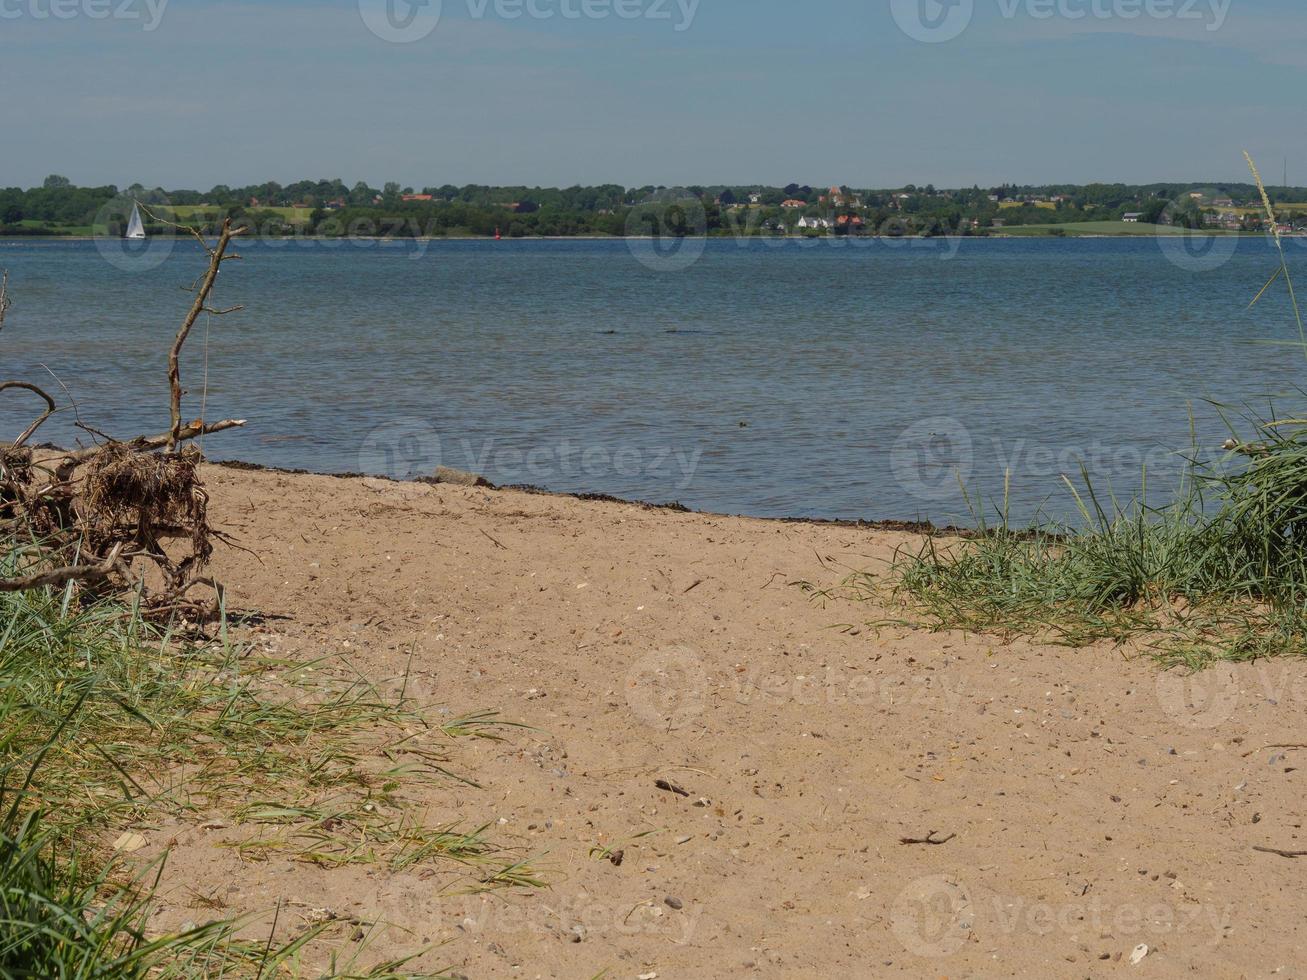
[800, 379]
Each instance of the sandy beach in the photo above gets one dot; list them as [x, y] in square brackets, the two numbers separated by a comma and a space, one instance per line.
[1069, 807]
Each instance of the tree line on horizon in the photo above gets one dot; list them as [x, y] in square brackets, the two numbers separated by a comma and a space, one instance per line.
[331, 207]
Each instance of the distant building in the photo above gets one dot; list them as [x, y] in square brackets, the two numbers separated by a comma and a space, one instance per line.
[794, 204]
[1134, 217]
[416, 197]
[821, 224]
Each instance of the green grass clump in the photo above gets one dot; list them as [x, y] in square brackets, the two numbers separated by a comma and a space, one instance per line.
[1188, 584]
[109, 724]
[1218, 573]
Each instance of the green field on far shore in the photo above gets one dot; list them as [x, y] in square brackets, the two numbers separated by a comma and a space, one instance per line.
[41, 227]
[185, 212]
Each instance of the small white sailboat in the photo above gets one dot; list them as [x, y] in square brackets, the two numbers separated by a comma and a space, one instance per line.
[135, 227]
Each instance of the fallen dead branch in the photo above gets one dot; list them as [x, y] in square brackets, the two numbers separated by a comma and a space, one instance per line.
[147, 443]
[62, 576]
[125, 514]
[933, 839]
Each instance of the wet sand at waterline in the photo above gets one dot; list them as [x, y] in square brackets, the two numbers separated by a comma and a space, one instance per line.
[1088, 804]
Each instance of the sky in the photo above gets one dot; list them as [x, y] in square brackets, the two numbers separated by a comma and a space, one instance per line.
[868, 93]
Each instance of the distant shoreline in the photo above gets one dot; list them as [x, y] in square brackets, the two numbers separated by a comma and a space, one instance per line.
[646, 238]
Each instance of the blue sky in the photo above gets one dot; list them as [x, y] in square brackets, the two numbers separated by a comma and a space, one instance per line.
[739, 91]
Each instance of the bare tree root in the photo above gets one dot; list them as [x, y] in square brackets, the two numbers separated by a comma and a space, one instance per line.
[124, 515]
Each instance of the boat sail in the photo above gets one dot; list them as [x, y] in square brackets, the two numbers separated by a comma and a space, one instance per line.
[135, 227]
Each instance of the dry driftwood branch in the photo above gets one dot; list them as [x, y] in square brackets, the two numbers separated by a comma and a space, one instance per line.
[105, 513]
[4, 297]
[216, 256]
[85, 574]
[49, 409]
[147, 443]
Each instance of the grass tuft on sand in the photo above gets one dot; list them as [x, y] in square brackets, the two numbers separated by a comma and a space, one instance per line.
[109, 726]
[1219, 573]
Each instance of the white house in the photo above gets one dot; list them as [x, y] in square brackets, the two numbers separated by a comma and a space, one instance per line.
[821, 224]
[1134, 217]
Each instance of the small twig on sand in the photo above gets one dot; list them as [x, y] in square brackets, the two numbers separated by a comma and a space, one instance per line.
[692, 586]
[928, 839]
[1280, 853]
[671, 788]
[494, 542]
[1265, 747]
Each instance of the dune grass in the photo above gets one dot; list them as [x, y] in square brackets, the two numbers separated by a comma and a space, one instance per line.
[108, 726]
[1217, 573]
[1188, 582]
